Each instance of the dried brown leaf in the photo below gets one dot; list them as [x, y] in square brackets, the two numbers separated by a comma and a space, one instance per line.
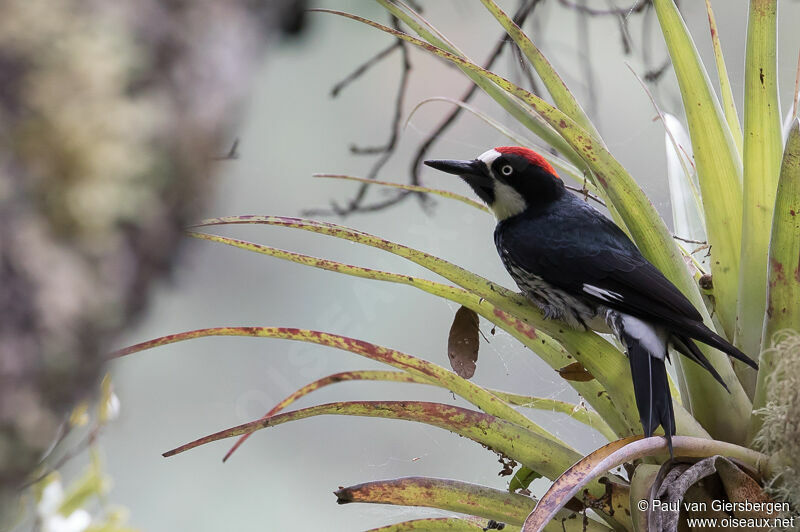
[575, 372]
[462, 344]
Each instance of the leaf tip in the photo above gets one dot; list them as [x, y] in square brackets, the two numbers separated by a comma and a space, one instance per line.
[343, 495]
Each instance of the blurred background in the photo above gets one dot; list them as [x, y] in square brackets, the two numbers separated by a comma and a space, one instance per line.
[283, 477]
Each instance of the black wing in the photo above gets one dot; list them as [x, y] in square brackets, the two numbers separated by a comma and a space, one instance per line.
[589, 256]
[585, 254]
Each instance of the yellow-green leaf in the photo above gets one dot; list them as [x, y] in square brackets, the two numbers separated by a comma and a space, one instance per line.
[783, 278]
[719, 171]
[515, 314]
[618, 409]
[413, 188]
[728, 103]
[344, 376]
[763, 146]
[719, 167]
[453, 524]
[517, 443]
[445, 494]
[417, 366]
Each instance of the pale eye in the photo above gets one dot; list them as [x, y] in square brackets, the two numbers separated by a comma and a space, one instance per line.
[506, 169]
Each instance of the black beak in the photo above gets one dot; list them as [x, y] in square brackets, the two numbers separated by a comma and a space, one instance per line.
[465, 169]
[474, 172]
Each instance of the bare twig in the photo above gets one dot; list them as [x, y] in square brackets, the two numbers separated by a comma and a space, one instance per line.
[585, 58]
[525, 9]
[689, 241]
[639, 6]
[355, 204]
[232, 154]
[386, 151]
[655, 74]
[369, 63]
[533, 87]
[586, 194]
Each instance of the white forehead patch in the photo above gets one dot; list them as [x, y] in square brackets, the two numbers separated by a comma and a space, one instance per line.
[488, 157]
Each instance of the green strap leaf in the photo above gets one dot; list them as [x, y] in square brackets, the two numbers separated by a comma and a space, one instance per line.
[577, 412]
[416, 366]
[413, 188]
[763, 146]
[719, 172]
[460, 497]
[517, 443]
[641, 485]
[515, 314]
[783, 278]
[728, 103]
[452, 495]
[344, 376]
[719, 167]
[508, 310]
[454, 524]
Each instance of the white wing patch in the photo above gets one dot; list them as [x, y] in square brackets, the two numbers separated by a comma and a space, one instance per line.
[605, 295]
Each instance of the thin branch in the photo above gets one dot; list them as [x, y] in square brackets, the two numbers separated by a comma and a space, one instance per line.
[639, 6]
[655, 74]
[586, 194]
[527, 72]
[369, 63]
[232, 154]
[689, 241]
[519, 18]
[386, 151]
[624, 30]
[584, 56]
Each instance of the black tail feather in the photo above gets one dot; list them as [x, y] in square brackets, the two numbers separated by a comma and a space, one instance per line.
[651, 389]
[688, 348]
[700, 332]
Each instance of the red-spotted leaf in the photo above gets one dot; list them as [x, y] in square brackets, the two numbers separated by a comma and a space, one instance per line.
[452, 495]
[453, 524]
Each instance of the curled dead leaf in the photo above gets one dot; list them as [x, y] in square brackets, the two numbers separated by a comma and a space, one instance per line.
[463, 341]
[575, 372]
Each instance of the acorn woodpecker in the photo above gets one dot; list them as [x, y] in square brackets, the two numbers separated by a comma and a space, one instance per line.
[577, 266]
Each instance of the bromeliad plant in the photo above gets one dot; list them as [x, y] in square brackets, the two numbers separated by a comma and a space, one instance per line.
[740, 191]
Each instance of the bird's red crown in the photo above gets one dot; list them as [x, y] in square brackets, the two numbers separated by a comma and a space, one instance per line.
[529, 154]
